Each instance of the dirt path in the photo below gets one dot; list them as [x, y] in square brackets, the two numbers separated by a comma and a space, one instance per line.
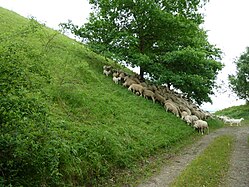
[238, 174]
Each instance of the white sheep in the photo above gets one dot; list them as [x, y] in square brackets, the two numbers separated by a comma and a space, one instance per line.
[190, 119]
[236, 121]
[201, 125]
[116, 79]
[107, 70]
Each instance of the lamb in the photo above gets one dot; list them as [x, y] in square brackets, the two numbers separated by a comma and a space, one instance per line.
[201, 125]
[136, 88]
[236, 121]
[149, 94]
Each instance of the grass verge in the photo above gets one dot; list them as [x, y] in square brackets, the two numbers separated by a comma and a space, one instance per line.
[210, 167]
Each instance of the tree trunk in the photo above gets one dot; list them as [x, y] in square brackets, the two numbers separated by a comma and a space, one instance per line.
[141, 49]
[141, 72]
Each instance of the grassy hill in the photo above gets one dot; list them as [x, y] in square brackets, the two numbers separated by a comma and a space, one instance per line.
[63, 123]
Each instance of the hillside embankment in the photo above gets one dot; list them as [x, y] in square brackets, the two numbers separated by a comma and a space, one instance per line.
[64, 123]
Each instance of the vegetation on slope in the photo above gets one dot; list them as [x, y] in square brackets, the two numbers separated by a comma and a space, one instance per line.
[62, 121]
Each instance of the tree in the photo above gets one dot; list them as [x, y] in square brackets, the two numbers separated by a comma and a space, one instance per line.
[240, 82]
[162, 37]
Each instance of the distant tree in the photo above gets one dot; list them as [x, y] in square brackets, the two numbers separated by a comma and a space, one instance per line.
[240, 82]
[162, 37]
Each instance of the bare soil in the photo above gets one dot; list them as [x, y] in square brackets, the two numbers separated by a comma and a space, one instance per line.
[238, 174]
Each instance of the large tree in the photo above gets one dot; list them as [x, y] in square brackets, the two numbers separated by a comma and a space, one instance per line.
[240, 82]
[162, 37]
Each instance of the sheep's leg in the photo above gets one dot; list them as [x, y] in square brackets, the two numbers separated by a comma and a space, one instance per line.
[153, 99]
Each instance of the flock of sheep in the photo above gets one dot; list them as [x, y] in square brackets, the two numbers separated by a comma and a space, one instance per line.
[231, 121]
[172, 101]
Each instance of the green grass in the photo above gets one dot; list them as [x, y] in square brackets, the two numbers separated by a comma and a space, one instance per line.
[60, 114]
[210, 167]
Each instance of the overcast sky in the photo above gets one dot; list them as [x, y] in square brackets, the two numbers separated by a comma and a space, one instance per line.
[225, 20]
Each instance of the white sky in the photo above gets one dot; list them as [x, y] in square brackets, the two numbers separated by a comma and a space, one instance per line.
[226, 22]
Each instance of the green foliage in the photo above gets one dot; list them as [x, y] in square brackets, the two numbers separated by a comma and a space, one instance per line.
[210, 167]
[63, 123]
[240, 82]
[163, 38]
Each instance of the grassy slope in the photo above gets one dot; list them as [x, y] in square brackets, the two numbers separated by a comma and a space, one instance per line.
[96, 126]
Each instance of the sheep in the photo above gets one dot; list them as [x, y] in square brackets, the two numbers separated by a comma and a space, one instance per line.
[199, 114]
[183, 114]
[106, 72]
[236, 121]
[201, 125]
[169, 106]
[136, 88]
[225, 119]
[149, 94]
[115, 74]
[184, 108]
[128, 82]
[190, 119]
[160, 98]
[116, 79]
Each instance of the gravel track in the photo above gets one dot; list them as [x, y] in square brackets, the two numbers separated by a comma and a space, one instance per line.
[238, 174]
